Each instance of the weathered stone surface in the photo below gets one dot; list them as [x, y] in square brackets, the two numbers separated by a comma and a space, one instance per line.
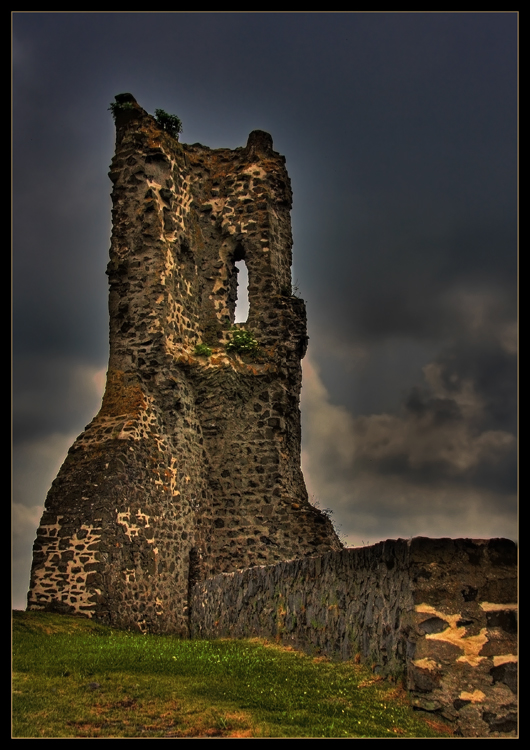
[192, 466]
[378, 605]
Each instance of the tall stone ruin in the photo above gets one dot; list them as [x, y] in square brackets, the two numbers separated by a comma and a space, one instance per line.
[192, 465]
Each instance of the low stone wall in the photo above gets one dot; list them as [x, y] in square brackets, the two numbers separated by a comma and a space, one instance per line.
[439, 613]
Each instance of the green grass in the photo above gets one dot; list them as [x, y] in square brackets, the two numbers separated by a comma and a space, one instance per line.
[75, 678]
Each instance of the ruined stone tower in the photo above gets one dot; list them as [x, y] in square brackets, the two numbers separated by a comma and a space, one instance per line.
[192, 465]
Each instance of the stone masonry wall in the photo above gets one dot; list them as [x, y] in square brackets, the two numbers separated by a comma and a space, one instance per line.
[192, 465]
[439, 613]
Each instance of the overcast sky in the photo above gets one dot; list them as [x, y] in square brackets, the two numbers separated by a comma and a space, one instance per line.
[400, 134]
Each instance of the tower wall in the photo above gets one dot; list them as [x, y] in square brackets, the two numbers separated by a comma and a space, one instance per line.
[192, 465]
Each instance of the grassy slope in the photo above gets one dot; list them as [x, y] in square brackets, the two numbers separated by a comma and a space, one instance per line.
[75, 678]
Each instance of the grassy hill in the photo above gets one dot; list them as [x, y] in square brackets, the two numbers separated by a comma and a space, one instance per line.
[75, 678]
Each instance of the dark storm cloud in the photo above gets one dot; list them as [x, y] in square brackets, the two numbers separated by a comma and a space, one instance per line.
[60, 309]
[394, 281]
[73, 391]
[454, 428]
[427, 175]
[61, 226]
[431, 466]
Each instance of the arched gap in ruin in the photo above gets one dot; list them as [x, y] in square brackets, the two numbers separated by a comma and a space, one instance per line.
[242, 305]
[240, 285]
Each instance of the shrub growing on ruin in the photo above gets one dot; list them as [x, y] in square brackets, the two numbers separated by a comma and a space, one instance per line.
[242, 342]
[170, 123]
[202, 350]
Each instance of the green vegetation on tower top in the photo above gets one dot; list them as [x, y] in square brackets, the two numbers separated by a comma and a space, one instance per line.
[170, 123]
